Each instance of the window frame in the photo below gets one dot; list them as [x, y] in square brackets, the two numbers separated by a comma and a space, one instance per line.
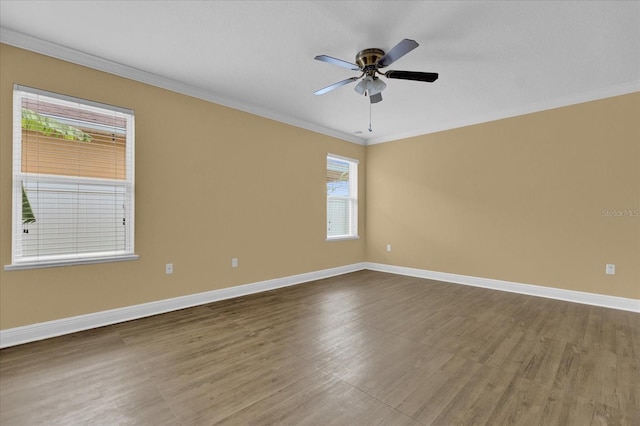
[352, 199]
[19, 262]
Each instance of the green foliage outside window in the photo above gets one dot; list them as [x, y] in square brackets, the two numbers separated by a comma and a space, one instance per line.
[27, 213]
[48, 126]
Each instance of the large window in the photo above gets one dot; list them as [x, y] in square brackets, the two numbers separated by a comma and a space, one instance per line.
[73, 181]
[342, 197]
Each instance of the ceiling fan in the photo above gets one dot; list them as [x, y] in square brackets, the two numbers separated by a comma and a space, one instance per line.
[369, 62]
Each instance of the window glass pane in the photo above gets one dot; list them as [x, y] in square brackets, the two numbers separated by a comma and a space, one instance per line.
[337, 217]
[74, 219]
[73, 179]
[63, 140]
[337, 178]
[342, 197]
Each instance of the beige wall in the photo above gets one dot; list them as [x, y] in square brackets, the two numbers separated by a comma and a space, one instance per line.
[212, 183]
[519, 199]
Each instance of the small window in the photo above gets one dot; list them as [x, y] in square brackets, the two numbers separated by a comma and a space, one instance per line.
[73, 181]
[342, 197]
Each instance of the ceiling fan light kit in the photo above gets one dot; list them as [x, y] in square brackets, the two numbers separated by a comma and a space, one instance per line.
[369, 62]
[370, 86]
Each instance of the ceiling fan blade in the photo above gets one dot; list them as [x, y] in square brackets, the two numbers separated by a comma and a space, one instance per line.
[375, 98]
[429, 77]
[338, 62]
[397, 52]
[335, 86]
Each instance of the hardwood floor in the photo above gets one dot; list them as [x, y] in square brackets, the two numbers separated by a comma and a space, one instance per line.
[365, 348]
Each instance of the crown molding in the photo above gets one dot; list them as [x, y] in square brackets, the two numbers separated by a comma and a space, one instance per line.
[481, 117]
[57, 51]
[43, 47]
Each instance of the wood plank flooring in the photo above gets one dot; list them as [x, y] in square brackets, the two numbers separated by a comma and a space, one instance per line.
[365, 348]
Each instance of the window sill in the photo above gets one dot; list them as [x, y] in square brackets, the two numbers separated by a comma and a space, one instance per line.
[69, 262]
[343, 238]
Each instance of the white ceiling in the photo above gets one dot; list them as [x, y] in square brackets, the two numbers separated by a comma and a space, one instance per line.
[496, 59]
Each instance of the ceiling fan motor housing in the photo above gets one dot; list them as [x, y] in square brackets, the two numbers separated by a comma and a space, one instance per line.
[367, 60]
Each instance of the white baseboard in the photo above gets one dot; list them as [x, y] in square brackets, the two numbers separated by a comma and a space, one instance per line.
[606, 301]
[33, 332]
[44, 330]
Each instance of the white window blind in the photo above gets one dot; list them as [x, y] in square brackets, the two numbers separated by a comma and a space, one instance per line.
[73, 180]
[342, 197]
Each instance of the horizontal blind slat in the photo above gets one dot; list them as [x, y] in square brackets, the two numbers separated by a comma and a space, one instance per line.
[341, 197]
[75, 165]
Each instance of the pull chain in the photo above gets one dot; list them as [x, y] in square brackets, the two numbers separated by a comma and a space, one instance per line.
[370, 129]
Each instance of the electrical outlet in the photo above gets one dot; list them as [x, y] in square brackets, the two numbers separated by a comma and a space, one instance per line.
[234, 262]
[610, 269]
[388, 247]
[168, 268]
